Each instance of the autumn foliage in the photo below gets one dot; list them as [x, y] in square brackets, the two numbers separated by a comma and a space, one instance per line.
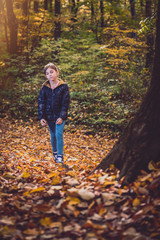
[43, 200]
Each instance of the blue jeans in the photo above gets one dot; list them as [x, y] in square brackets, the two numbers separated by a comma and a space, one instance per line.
[56, 132]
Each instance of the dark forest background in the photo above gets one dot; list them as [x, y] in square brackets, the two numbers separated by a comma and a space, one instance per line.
[103, 49]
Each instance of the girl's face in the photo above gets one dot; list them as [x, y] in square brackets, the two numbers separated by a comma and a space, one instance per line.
[51, 74]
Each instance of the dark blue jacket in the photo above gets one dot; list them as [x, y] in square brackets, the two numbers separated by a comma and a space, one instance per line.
[53, 103]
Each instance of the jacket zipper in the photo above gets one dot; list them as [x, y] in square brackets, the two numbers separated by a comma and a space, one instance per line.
[52, 100]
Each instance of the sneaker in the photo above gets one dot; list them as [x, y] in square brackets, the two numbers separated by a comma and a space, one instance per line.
[59, 159]
[55, 156]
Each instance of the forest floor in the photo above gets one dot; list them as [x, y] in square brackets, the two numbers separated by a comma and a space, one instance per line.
[43, 200]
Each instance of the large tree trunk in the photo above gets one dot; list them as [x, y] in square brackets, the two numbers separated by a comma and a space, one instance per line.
[140, 141]
[13, 26]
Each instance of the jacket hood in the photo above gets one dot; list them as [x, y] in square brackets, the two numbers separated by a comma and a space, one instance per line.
[47, 84]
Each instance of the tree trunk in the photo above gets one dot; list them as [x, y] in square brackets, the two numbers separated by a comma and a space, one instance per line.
[13, 27]
[74, 9]
[25, 8]
[141, 5]
[50, 6]
[140, 141]
[45, 4]
[150, 37]
[57, 30]
[36, 6]
[133, 11]
[92, 13]
[102, 13]
[2, 11]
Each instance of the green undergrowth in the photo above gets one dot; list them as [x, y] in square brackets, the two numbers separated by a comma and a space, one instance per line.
[106, 81]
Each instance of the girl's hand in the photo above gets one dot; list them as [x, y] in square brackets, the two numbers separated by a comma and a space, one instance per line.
[59, 121]
[43, 122]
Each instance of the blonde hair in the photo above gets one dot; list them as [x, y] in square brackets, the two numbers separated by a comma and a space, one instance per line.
[50, 65]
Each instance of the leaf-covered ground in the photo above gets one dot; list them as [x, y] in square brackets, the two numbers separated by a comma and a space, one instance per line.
[43, 200]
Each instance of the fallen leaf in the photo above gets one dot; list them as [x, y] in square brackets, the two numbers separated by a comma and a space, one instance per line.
[86, 194]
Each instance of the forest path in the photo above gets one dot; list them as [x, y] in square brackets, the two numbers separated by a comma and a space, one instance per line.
[44, 200]
[31, 143]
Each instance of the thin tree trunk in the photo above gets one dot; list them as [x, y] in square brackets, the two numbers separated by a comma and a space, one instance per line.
[102, 13]
[73, 10]
[6, 33]
[92, 13]
[141, 5]
[133, 10]
[4, 23]
[50, 5]
[45, 4]
[150, 37]
[36, 6]
[25, 8]
[140, 141]
[13, 27]
[57, 31]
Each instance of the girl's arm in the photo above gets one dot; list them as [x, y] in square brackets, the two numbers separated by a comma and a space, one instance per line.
[65, 103]
[41, 104]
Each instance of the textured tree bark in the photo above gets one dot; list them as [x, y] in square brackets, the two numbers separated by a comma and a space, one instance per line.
[92, 13]
[133, 10]
[36, 6]
[74, 9]
[140, 141]
[45, 4]
[150, 37]
[13, 27]
[2, 10]
[102, 13]
[50, 5]
[57, 31]
[25, 8]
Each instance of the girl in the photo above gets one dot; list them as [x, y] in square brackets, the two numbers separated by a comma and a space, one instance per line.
[53, 103]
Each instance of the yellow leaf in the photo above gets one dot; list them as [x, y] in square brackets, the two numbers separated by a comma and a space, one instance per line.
[26, 194]
[136, 202]
[32, 160]
[51, 175]
[73, 200]
[44, 180]
[107, 183]
[25, 175]
[56, 181]
[19, 167]
[45, 221]
[38, 189]
[102, 211]
[154, 166]
[71, 173]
